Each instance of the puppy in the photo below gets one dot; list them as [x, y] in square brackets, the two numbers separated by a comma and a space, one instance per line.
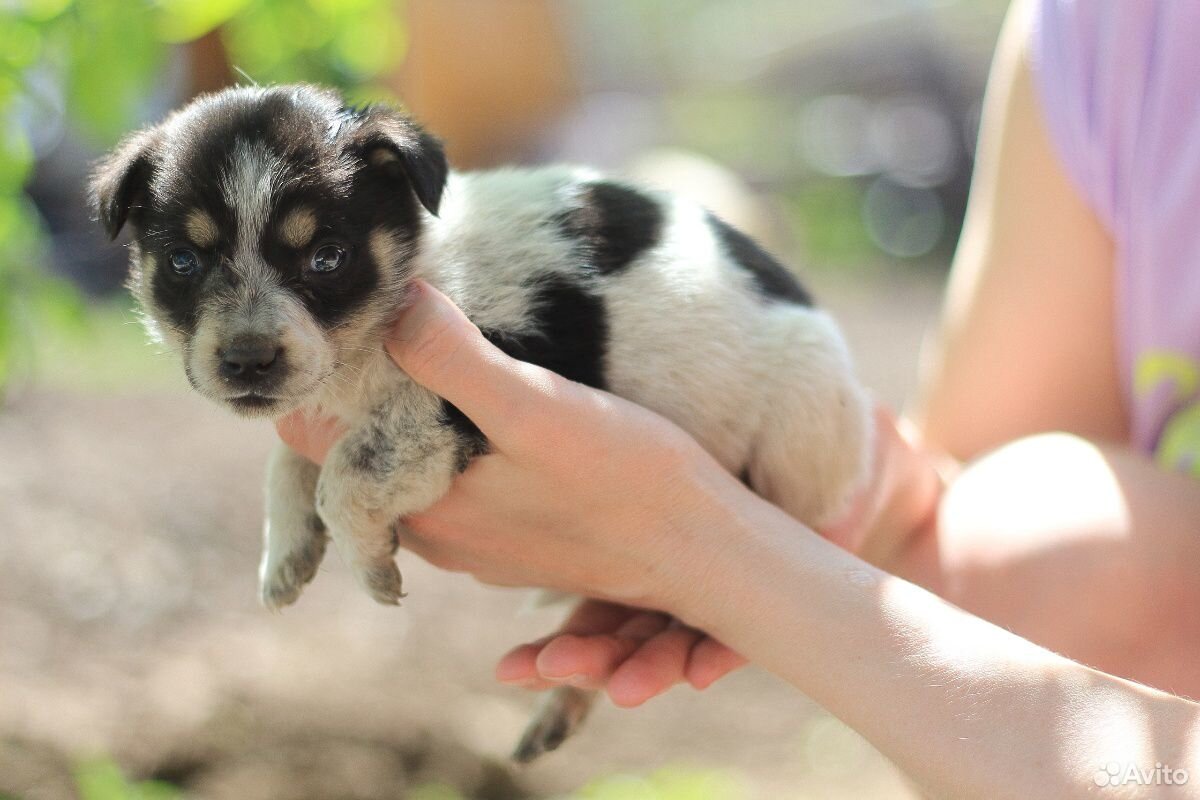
[274, 233]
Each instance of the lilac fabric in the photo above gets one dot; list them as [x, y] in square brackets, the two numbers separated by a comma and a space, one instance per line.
[1119, 83]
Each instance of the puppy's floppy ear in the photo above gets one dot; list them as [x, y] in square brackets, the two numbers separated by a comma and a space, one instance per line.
[121, 179]
[389, 141]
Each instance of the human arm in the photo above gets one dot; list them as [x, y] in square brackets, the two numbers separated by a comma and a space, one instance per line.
[1098, 547]
[1065, 515]
[964, 707]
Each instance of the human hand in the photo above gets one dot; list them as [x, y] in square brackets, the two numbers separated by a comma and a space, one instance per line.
[593, 648]
[900, 499]
[630, 653]
[581, 491]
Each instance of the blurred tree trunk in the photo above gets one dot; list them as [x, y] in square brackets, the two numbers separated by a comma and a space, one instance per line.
[485, 75]
[208, 64]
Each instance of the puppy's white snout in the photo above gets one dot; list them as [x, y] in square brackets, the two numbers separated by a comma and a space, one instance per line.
[251, 361]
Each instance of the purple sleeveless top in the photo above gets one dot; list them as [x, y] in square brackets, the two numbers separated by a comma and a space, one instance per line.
[1119, 82]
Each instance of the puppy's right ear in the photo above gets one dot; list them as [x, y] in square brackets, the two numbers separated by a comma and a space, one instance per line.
[121, 180]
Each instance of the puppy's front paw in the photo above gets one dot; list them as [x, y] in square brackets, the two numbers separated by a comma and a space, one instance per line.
[366, 546]
[382, 579]
[284, 572]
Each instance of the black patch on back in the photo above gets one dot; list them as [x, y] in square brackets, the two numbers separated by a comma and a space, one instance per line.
[613, 225]
[572, 340]
[774, 280]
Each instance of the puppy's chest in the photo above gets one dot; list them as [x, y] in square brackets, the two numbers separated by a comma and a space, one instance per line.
[373, 391]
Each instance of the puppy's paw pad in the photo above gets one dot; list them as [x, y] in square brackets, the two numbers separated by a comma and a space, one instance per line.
[383, 581]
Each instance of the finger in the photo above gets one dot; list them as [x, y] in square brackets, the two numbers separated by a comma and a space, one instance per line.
[310, 436]
[710, 661]
[588, 660]
[657, 665]
[518, 667]
[441, 557]
[590, 618]
[583, 661]
[596, 616]
[435, 343]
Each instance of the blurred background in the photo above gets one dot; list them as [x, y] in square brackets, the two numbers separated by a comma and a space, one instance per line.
[134, 660]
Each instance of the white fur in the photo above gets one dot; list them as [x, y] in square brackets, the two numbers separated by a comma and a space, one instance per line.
[766, 387]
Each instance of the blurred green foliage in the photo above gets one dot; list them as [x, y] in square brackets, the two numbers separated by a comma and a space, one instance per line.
[101, 779]
[668, 783]
[98, 60]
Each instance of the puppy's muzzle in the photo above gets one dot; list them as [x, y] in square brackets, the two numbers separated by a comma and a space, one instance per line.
[252, 364]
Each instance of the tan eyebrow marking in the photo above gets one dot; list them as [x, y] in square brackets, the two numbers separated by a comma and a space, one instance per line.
[200, 228]
[298, 228]
[381, 157]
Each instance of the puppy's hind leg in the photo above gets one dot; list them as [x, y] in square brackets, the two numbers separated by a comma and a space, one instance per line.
[560, 714]
[812, 452]
[293, 535]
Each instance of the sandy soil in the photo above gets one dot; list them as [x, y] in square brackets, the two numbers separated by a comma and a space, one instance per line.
[129, 627]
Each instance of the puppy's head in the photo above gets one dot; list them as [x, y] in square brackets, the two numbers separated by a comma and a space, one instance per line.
[272, 231]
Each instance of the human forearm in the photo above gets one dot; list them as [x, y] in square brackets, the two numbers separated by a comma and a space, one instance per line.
[966, 708]
[1097, 533]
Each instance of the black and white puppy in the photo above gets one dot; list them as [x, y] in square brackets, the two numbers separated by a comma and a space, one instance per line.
[274, 233]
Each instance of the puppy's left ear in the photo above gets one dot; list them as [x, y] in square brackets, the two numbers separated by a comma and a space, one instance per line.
[121, 179]
[389, 141]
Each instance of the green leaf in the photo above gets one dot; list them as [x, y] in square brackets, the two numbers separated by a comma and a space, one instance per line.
[43, 10]
[184, 20]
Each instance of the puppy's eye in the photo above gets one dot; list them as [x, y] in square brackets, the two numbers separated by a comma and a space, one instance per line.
[184, 262]
[328, 257]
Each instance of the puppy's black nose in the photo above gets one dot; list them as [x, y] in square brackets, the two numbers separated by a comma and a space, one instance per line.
[251, 361]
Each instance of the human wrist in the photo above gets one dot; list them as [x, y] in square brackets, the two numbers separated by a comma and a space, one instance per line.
[696, 537]
[713, 578]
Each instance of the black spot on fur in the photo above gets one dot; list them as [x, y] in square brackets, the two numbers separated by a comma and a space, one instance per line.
[472, 442]
[374, 452]
[572, 335]
[774, 280]
[372, 456]
[571, 339]
[613, 225]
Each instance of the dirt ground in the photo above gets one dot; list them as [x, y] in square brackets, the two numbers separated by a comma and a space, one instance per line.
[129, 627]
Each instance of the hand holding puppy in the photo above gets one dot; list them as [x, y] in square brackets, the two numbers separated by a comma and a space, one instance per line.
[582, 492]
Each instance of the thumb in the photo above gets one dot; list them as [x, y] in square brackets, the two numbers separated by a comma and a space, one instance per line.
[439, 348]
